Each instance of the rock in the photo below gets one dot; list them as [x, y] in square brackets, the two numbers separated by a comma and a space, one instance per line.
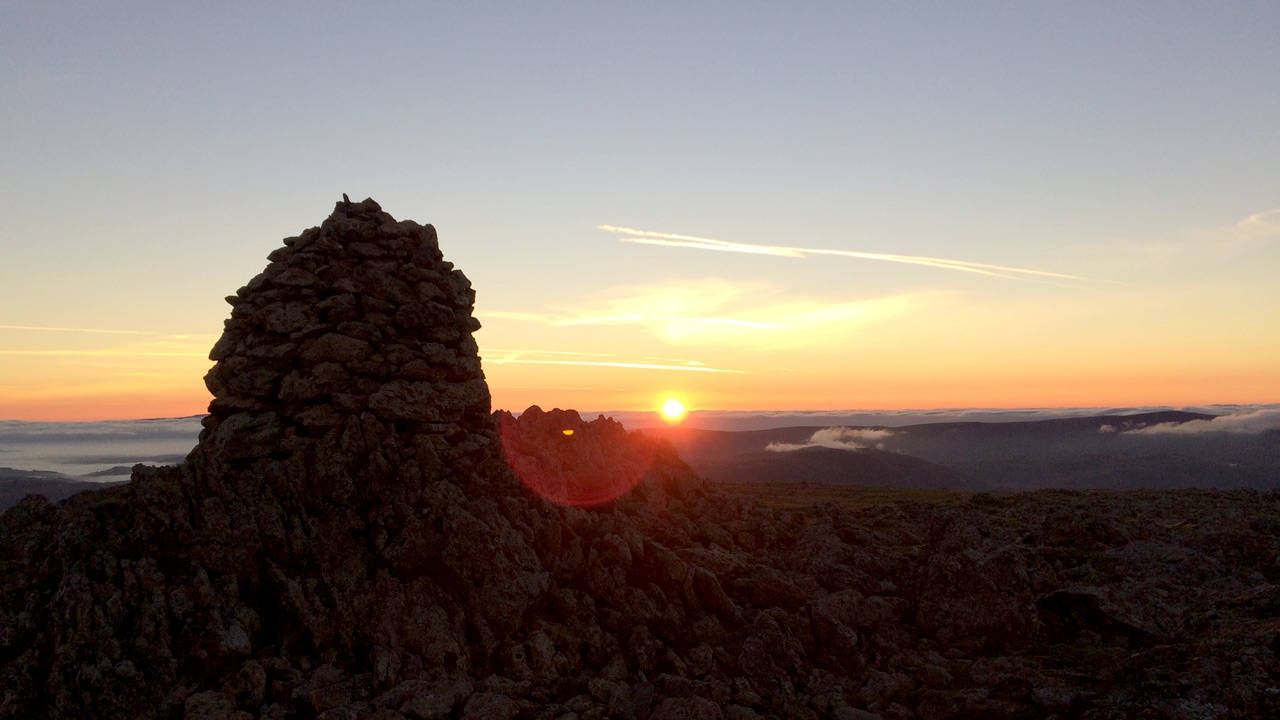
[490, 706]
[438, 701]
[848, 713]
[738, 712]
[209, 706]
[695, 708]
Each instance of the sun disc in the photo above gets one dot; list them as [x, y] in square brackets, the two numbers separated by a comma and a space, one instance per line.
[673, 409]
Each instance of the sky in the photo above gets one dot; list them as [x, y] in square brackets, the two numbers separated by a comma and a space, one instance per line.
[749, 206]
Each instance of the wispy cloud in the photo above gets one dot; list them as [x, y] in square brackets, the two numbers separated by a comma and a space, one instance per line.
[1251, 232]
[647, 237]
[520, 357]
[104, 353]
[501, 352]
[636, 366]
[503, 315]
[75, 330]
[1254, 422]
[632, 319]
[713, 311]
[138, 344]
[837, 438]
[1261, 225]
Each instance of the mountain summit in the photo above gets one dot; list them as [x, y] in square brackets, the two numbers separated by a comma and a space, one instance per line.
[349, 540]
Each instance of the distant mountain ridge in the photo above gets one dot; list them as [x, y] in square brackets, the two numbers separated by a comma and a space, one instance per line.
[17, 484]
[1100, 452]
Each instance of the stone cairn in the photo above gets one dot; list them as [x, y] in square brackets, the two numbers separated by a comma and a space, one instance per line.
[358, 321]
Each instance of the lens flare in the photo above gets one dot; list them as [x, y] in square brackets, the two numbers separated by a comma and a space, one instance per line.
[572, 462]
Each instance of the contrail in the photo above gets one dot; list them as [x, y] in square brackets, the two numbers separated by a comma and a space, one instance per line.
[672, 240]
[646, 237]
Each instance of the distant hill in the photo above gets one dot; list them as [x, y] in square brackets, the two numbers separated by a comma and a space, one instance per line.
[1101, 452]
[17, 484]
[827, 465]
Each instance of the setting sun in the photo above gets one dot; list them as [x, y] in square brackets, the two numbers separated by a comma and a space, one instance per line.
[673, 410]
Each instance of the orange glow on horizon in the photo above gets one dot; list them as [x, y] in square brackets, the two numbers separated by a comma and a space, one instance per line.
[95, 408]
[916, 389]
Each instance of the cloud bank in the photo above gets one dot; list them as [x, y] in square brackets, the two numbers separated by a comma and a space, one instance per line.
[838, 438]
[1255, 422]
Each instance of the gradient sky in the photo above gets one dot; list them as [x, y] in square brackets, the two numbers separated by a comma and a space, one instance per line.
[725, 201]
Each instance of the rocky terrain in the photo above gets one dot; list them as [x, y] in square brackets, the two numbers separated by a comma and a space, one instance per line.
[357, 536]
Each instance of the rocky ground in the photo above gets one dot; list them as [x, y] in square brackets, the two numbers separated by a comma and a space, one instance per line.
[356, 537]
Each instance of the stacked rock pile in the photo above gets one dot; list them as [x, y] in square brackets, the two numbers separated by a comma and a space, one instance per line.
[360, 315]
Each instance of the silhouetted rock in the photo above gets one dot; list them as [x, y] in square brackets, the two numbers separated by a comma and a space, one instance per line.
[349, 540]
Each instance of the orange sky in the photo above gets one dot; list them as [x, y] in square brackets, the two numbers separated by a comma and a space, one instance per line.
[839, 377]
[860, 206]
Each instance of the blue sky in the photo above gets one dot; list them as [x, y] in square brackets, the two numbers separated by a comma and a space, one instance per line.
[156, 152]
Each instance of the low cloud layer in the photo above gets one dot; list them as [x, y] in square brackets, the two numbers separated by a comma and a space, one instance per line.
[1254, 422]
[838, 438]
[81, 448]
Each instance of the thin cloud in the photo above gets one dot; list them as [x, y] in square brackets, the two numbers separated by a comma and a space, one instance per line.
[713, 311]
[1263, 224]
[646, 237]
[1259, 421]
[76, 330]
[546, 352]
[631, 319]
[838, 438]
[517, 357]
[529, 317]
[1251, 232]
[681, 361]
[102, 353]
[635, 366]
[157, 347]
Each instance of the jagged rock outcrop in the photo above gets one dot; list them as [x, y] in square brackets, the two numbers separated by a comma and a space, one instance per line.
[349, 540]
[573, 462]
